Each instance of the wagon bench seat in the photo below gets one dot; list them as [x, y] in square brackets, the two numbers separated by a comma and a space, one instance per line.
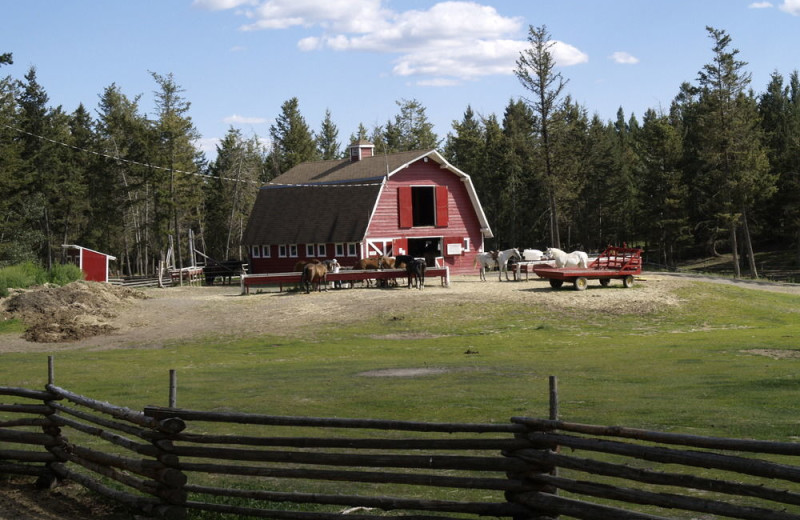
[345, 275]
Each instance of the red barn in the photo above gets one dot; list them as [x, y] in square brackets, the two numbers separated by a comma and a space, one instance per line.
[93, 263]
[413, 203]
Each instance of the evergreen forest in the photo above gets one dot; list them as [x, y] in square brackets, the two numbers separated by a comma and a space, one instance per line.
[718, 171]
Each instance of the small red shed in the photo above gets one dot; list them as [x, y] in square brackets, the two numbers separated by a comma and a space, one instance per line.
[413, 203]
[93, 263]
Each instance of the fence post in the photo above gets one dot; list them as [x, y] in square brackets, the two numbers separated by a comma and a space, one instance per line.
[49, 479]
[173, 389]
[553, 398]
[172, 484]
[534, 488]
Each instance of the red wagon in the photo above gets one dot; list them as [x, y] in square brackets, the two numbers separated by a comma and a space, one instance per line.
[615, 263]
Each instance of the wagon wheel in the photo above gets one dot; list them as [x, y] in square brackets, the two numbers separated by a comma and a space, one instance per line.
[556, 284]
[628, 281]
[605, 281]
[581, 283]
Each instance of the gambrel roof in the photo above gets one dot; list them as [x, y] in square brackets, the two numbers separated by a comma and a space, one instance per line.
[333, 201]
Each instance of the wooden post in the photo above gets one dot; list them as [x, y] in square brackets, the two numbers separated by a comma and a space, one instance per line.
[173, 388]
[50, 371]
[553, 398]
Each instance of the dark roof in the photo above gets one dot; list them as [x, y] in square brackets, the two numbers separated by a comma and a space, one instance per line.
[345, 170]
[311, 214]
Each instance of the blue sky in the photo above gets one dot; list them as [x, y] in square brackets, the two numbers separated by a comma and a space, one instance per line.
[239, 60]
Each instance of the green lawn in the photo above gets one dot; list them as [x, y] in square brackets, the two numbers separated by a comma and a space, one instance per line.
[683, 370]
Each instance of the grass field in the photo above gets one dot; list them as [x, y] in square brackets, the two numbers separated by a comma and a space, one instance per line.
[726, 362]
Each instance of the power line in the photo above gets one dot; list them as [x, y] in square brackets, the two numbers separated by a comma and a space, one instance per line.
[172, 170]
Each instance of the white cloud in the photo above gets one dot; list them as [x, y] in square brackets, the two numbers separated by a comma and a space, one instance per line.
[791, 6]
[238, 48]
[624, 58]
[567, 55]
[236, 119]
[208, 145]
[437, 82]
[760, 5]
[452, 41]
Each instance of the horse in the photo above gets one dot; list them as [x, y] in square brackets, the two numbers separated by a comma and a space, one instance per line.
[375, 263]
[573, 259]
[314, 272]
[487, 261]
[415, 269]
[502, 259]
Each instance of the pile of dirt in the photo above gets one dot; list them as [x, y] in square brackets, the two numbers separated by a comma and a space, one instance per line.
[75, 311]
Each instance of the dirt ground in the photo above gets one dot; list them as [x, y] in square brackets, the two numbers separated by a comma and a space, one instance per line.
[99, 317]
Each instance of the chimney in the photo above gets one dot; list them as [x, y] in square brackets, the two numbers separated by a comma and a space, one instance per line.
[361, 150]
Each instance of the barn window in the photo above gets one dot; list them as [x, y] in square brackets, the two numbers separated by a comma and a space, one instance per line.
[466, 244]
[282, 251]
[266, 252]
[322, 251]
[292, 250]
[256, 252]
[340, 249]
[352, 249]
[309, 250]
[422, 206]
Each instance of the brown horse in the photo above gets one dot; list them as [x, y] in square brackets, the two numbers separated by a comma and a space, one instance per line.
[314, 272]
[373, 262]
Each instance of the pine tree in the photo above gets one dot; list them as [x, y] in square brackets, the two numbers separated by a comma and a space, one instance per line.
[292, 141]
[663, 197]
[328, 147]
[178, 192]
[230, 193]
[411, 129]
[536, 71]
[735, 167]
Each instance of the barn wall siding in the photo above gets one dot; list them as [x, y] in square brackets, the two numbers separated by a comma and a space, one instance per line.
[462, 222]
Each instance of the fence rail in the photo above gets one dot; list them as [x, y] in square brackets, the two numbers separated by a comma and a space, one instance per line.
[162, 462]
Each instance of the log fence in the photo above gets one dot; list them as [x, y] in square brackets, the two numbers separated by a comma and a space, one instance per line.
[164, 462]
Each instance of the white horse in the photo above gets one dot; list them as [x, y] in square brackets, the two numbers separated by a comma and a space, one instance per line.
[492, 259]
[486, 261]
[573, 259]
[503, 258]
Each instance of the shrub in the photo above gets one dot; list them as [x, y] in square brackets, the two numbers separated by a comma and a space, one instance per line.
[28, 274]
[65, 273]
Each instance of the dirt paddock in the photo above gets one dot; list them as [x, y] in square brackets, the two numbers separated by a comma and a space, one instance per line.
[100, 316]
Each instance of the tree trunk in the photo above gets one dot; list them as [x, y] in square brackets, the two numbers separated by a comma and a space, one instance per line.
[748, 244]
[735, 249]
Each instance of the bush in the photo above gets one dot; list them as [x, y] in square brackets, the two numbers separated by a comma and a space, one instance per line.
[27, 274]
[65, 273]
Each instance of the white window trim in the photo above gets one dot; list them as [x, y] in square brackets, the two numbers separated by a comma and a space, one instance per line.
[352, 249]
[322, 250]
[340, 249]
[466, 244]
[292, 250]
[255, 251]
[266, 251]
[309, 250]
[283, 251]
